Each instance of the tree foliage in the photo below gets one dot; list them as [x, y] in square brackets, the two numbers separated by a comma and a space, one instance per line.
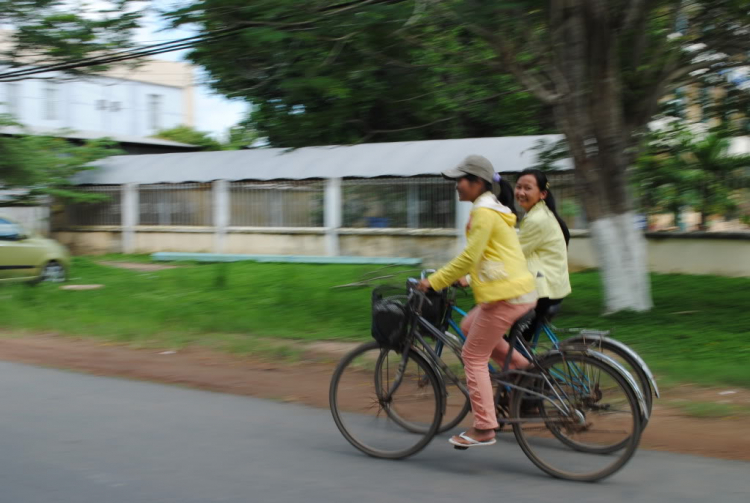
[189, 135]
[355, 76]
[50, 32]
[237, 137]
[683, 168]
[44, 166]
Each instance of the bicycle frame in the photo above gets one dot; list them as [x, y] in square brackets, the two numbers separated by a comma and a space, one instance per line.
[518, 346]
[435, 360]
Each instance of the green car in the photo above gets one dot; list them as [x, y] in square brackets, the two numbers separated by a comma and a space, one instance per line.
[24, 257]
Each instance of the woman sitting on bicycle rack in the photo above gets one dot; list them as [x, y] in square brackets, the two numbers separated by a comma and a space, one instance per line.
[503, 287]
[544, 240]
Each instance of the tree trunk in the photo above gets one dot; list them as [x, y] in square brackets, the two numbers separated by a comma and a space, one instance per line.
[602, 147]
[620, 247]
[622, 256]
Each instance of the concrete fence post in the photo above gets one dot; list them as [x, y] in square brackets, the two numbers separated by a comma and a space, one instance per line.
[221, 214]
[332, 215]
[463, 211]
[130, 215]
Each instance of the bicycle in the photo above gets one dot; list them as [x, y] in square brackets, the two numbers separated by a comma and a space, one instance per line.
[560, 407]
[594, 339]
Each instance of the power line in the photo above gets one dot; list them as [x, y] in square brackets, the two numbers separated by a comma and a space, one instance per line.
[151, 50]
[184, 43]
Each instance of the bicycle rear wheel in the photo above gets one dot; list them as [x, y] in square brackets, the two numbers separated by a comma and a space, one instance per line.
[597, 343]
[365, 413]
[588, 408]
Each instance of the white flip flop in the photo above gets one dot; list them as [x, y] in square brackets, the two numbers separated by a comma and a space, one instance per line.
[471, 442]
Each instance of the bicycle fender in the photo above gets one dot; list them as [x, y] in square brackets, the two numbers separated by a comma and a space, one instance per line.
[626, 349]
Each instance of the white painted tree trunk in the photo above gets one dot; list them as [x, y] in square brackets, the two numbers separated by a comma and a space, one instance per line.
[623, 263]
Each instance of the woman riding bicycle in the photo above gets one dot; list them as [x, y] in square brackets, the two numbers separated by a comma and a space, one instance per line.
[503, 287]
[544, 240]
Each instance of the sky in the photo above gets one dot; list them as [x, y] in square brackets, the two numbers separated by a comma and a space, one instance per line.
[214, 113]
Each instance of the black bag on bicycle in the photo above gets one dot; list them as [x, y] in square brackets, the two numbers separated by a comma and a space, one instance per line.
[389, 320]
[436, 309]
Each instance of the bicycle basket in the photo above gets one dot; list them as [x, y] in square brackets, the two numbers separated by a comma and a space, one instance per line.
[436, 310]
[389, 318]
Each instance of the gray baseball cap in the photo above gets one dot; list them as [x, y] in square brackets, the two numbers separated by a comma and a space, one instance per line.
[476, 165]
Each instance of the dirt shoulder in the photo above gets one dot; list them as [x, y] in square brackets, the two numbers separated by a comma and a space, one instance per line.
[307, 382]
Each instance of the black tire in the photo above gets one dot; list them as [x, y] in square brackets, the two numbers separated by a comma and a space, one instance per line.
[53, 272]
[631, 365]
[423, 437]
[458, 412]
[457, 405]
[532, 446]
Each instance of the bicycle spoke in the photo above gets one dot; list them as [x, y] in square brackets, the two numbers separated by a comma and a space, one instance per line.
[589, 439]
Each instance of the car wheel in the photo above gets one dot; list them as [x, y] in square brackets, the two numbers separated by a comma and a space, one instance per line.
[53, 272]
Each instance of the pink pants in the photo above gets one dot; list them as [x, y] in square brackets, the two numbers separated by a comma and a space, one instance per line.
[484, 328]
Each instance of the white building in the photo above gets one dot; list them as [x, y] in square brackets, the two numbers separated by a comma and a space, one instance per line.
[157, 95]
[126, 104]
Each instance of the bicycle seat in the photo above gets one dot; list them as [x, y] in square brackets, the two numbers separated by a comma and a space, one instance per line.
[522, 324]
[552, 312]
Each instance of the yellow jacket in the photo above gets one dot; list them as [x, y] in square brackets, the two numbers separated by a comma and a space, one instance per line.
[492, 255]
[543, 244]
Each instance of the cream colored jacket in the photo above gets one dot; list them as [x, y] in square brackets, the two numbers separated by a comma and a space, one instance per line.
[543, 245]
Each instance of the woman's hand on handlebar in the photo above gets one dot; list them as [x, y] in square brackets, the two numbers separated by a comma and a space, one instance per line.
[462, 283]
[424, 285]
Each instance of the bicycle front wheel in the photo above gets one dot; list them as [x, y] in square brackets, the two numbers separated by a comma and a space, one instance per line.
[456, 404]
[371, 415]
[586, 407]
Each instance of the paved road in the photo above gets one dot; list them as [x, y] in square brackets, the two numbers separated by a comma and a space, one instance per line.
[67, 437]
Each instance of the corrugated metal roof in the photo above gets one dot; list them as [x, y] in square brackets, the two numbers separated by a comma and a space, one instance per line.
[92, 135]
[366, 160]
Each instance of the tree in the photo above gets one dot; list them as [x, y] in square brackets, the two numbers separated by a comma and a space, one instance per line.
[57, 32]
[237, 137]
[51, 33]
[240, 136]
[44, 166]
[660, 182]
[600, 66]
[186, 134]
[356, 82]
[714, 168]
[681, 168]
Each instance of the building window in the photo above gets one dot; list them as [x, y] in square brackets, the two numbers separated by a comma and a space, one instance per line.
[12, 98]
[154, 111]
[51, 102]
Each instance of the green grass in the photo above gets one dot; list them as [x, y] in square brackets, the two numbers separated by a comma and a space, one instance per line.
[711, 410]
[698, 332]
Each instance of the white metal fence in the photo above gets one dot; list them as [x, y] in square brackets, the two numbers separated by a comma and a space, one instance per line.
[105, 208]
[178, 204]
[276, 204]
[414, 203]
[410, 203]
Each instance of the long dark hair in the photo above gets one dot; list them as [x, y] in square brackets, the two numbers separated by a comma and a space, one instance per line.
[502, 190]
[543, 184]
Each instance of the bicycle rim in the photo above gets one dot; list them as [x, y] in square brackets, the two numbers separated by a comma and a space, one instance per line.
[457, 405]
[599, 411]
[365, 416]
[631, 366]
